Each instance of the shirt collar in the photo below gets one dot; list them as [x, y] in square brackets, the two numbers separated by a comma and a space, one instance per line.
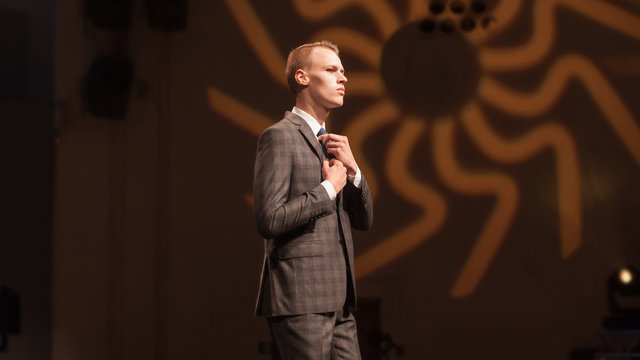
[313, 123]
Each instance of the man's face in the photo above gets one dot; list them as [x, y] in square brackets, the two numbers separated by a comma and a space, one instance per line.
[326, 78]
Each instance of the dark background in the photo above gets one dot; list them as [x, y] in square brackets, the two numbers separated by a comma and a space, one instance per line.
[132, 237]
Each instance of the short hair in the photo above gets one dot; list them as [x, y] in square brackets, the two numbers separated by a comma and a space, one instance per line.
[299, 58]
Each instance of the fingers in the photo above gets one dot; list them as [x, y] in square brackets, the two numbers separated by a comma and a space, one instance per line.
[338, 146]
[332, 138]
[335, 172]
[333, 163]
[325, 137]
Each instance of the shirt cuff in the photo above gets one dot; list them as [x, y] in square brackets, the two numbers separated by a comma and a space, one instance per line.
[330, 190]
[355, 179]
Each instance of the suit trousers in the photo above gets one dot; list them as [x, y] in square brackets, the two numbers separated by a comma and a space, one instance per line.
[325, 336]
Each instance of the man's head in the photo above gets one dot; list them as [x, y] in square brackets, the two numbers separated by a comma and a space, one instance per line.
[315, 74]
[300, 58]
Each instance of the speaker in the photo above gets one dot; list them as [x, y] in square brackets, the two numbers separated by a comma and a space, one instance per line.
[14, 61]
[110, 14]
[9, 311]
[107, 86]
[167, 15]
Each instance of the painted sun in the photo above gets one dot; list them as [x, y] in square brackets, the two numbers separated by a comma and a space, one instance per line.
[406, 58]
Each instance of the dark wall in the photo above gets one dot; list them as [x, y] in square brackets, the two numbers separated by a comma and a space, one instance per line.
[26, 169]
[504, 175]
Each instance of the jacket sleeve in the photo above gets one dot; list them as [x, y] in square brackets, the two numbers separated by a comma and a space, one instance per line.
[359, 205]
[276, 212]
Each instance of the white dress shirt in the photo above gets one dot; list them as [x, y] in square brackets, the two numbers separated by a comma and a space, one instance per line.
[315, 127]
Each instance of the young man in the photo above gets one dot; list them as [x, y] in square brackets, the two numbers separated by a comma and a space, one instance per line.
[308, 194]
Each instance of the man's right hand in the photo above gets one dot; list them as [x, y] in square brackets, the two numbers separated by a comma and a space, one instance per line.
[335, 172]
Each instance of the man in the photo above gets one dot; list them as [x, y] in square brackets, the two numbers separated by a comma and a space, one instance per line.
[308, 194]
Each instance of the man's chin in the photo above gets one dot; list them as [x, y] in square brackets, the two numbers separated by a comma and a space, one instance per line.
[334, 104]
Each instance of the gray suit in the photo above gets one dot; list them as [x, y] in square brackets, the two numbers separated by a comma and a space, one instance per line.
[308, 244]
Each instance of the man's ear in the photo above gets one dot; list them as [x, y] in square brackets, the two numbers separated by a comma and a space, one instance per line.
[302, 77]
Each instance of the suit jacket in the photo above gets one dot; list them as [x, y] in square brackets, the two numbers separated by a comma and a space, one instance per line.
[306, 233]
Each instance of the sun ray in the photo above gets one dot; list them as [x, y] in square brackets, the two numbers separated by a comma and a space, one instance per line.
[240, 114]
[361, 127]
[417, 10]
[501, 186]
[380, 11]
[354, 42]
[258, 37]
[547, 94]
[400, 179]
[537, 48]
[364, 83]
[517, 150]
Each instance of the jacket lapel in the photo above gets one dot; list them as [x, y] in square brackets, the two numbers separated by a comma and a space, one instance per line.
[305, 130]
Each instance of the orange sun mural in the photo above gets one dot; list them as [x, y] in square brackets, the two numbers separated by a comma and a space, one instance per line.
[407, 59]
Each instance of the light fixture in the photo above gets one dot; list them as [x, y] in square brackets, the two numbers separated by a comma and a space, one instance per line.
[623, 294]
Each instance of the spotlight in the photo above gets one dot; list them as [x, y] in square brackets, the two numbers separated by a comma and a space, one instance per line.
[625, 282]
[167, 15]
[107, 86]
[623, 294]
[478, 6]
[110, 14]
[625, 276]
[436, 7]
[458, 7]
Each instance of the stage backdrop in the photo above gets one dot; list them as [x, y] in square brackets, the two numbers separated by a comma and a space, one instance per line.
[501, 140]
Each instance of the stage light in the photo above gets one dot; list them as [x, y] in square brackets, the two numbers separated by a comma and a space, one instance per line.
[625, 281]
[623, 294]
[107, 86]
[110, 14]
[167, 15]
[625, 276]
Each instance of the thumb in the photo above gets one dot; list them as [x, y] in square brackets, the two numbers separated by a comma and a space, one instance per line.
[325, 163]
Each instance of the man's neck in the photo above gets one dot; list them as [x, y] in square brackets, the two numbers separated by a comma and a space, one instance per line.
[319, 113]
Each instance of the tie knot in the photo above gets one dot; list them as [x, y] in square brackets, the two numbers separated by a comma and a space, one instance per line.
[322, 132]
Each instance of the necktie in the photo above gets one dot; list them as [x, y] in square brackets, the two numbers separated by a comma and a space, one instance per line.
[324, 148]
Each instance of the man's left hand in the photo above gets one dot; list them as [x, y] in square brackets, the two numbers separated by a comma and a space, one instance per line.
[338, 146]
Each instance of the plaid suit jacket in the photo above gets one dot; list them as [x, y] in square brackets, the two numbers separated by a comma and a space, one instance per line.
[304, 269]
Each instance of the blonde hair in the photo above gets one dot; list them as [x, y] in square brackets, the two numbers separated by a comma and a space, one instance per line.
[300, 58]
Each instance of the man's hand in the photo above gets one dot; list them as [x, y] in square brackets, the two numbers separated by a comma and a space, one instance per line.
[335, 172]
[338, 146]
